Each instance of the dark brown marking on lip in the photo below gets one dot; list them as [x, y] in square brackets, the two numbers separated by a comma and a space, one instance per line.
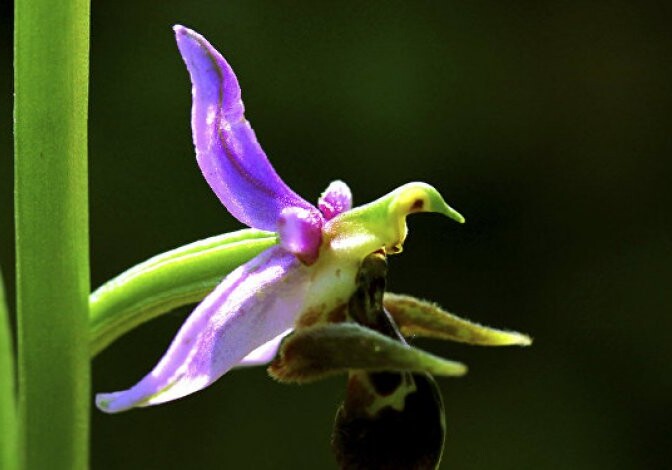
[337, 315]
[393, 439]
[358, 395]
[385, 383]
[311, 316]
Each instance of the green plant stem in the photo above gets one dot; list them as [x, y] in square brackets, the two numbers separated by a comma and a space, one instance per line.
[51, 67]
[9, 449]
[178, 277]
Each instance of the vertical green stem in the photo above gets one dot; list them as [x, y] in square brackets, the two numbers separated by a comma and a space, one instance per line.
[9, 456]
[51, 54]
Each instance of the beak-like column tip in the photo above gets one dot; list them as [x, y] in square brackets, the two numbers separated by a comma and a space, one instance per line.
[459, 218]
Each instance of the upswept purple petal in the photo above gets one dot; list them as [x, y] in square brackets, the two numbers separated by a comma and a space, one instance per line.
[253, 305]
[264, 353]
[227, 150]
[336, 199]
[300, 232]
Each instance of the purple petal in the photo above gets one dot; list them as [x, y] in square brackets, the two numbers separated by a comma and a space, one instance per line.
[254, 304]
[300, 233]
[264, 353]
[337, 198]
[227, 150]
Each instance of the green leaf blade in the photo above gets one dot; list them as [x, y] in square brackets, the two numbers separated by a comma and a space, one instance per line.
[51, 74]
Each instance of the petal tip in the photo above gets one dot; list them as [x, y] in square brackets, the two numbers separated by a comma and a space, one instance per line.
[105, 403]
[524, 340]
[448, 368]
[460, 369]
[506, 338]
[181, 31]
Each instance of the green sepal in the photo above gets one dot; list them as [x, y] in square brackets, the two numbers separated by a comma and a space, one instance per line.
[323, 350]
[164, 282]
[416, 317]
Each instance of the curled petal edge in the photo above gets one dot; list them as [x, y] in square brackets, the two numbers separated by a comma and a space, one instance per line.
[264, 353]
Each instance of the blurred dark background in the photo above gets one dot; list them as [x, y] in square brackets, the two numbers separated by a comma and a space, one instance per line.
[547, 124]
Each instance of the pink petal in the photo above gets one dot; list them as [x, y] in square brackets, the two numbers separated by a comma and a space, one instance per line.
[254, 304]
[227, 151]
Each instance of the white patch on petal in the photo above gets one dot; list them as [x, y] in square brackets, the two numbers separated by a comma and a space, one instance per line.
[264, 353]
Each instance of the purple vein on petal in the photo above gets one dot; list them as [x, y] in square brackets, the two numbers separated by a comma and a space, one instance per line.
[253, 305]
[227, 151]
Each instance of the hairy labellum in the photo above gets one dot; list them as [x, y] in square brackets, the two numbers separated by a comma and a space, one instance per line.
[389, 420]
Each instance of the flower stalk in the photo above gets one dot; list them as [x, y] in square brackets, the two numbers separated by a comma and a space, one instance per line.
[51, 69]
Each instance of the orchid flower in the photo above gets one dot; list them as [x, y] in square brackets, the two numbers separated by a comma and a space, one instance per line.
[306, 279]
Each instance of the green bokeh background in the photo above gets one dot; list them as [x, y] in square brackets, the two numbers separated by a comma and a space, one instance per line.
[547, 124]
